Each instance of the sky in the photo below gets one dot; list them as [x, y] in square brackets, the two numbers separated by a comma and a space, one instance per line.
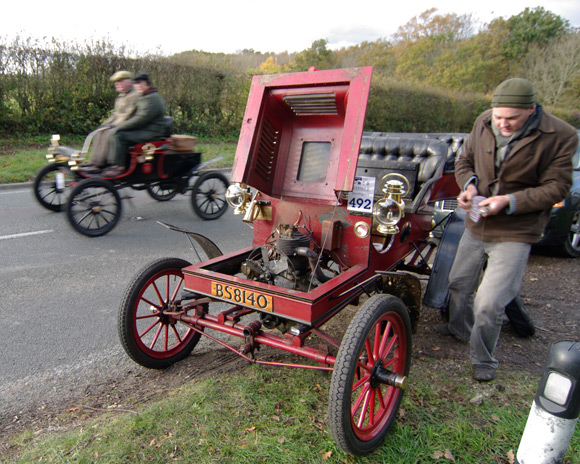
[226, 26]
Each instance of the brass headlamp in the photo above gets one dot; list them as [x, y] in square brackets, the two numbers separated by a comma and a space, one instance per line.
[238, 196]
[388, 211]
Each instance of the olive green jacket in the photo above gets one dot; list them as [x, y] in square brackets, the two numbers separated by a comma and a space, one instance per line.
[536, 173]
[149, 114]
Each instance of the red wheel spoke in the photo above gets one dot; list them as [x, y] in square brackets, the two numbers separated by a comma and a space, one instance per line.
[166, 336]
[384, 340]
[161, 300]
[369, 351]
[148, 329]
[365, 405]
[360, 382]
[359, 399]
[175, 292]
[157, 307]
[179, 340]
[156, 337]
[389, 348]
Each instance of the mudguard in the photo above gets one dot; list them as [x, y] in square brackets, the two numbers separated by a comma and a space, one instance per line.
[437, 291]
[210, 248]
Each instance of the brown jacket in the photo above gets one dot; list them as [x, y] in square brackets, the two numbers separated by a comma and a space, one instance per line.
[537, 172]
[125, 105]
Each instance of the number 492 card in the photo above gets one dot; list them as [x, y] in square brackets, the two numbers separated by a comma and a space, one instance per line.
[360, 200]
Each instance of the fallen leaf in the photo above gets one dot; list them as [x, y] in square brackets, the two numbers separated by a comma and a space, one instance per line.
[276, 418]
[495, 417]
[511, 457]
[436, 348]
[250, 429]
[437, 455]
[281, 440]
[327, 455]
[449, 455]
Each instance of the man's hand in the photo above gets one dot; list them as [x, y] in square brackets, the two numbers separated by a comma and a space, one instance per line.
[495, 204]
[464, 198]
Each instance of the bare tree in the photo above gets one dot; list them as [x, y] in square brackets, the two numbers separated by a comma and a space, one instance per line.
[555, 70]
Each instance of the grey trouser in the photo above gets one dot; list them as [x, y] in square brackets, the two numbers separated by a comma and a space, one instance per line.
[476, 309]
[100, 147]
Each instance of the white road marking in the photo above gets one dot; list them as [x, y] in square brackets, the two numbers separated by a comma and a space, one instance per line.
[26, 234]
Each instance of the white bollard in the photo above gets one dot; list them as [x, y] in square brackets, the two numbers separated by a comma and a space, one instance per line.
[555, 409]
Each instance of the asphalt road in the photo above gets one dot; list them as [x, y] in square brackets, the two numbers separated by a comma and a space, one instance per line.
[60, 291]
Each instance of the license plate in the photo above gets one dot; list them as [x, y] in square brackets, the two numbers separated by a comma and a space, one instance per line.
[242, 296]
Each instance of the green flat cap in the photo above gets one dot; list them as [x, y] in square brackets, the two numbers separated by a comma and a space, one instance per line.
[120, 75]
[514, 93]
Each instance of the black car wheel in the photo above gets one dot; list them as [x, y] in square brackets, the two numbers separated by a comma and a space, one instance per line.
[208, 196]
[163, 191]
[51, 185]
[94, 207]
[572, 244]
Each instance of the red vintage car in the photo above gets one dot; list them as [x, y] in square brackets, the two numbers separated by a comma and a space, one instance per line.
[330, 229]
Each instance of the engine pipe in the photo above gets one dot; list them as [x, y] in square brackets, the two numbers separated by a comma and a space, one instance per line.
[313, 261]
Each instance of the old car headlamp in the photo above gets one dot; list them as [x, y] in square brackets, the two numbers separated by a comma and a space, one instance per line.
[387, 212]
[237, 197]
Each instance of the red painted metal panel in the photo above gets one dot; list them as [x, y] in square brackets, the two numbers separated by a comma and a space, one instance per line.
[284, 112]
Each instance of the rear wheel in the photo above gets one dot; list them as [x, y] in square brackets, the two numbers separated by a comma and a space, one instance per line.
[51, 186]
[94, 207]
[208, 196]
[572, 244]
[367, 382]
[163, 191]
[149, 334]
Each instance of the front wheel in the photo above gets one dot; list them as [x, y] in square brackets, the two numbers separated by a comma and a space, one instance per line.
[51, 185]
[208, 196]
[148, 329]
[369, 374]
[94, 207]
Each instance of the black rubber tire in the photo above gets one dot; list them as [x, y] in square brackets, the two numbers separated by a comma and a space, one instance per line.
[45, 189]
[162, 191]
[353, 384]
[208, 196]
[571, 246]
[141, 316]
[94, 207]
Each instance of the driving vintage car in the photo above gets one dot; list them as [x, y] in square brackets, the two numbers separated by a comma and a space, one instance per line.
[333, 226]
[163, 168]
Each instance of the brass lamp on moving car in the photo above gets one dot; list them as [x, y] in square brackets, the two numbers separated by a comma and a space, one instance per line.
[388, 211]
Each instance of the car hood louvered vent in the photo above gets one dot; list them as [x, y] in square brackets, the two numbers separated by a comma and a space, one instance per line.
[322, 103]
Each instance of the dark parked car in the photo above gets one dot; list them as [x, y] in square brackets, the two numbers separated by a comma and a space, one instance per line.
[562, 231]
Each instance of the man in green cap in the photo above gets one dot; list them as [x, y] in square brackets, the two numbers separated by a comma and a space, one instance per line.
[124, 107]
[519, 158]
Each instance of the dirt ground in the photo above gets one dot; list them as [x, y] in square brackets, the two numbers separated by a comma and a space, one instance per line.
[551, 293]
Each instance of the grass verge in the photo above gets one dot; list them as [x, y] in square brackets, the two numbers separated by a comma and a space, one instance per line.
[278, 415]
[20, 158]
